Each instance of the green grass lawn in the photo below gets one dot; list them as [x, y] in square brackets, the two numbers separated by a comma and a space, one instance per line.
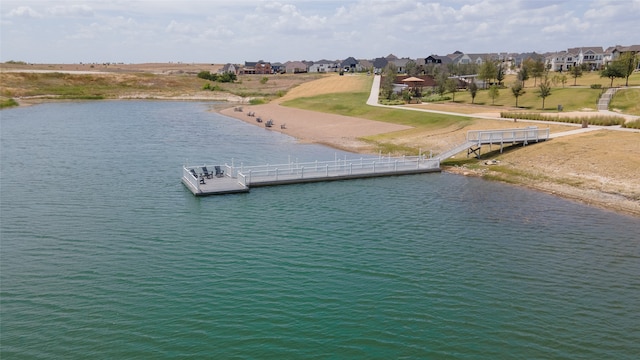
[572, 98]
[627, 101]
[354, 104]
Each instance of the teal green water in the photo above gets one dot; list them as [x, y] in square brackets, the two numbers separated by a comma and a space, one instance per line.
[105, 254]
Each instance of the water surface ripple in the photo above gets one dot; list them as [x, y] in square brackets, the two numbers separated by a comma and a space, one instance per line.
[104, 254]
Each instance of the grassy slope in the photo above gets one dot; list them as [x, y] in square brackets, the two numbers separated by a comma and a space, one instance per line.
[627, 101]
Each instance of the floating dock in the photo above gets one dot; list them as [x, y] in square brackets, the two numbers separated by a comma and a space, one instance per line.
[229, 179]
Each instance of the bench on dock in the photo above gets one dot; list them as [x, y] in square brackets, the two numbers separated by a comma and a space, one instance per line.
[206, 173]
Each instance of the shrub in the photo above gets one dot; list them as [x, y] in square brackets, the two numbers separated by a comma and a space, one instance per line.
[8, 103]
[593, 120]
[596, 86]
[391, 102]
[208, 86]
[435, 98]
[635, 124]
[264, 80]
[257, 101]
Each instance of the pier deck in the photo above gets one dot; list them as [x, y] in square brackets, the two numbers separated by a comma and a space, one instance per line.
[524, 136]
[240, 179]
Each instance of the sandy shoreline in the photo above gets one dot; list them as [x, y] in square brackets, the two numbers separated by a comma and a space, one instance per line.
[337, 131]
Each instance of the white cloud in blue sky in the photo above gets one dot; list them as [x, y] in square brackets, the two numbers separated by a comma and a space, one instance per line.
[219, 31]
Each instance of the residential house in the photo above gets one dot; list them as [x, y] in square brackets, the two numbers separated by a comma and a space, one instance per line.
[401, 64]
[437, 59]
[228, 68]
[350, 64]
[379, 64]
[259, 67]
[621, 50]
[365, 64]
[295, 67]
[322, 66]
[561, 61]
[277, 68]
[591, 57]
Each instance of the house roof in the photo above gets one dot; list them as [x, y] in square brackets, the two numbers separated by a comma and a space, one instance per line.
[379, 63]
[585, 49]
[401, 62]
[349, 62]
[443, 59]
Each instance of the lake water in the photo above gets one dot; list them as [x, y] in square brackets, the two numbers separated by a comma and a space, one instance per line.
[105, 254]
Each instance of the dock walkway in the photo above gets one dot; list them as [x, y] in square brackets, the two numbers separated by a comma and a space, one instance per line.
[240, 179]
[477, 138]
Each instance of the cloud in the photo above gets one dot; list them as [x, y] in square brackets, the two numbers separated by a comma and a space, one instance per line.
[73, 10]
[24, 11]
[180, 28]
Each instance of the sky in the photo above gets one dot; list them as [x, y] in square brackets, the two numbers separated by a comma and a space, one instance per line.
[235, 31]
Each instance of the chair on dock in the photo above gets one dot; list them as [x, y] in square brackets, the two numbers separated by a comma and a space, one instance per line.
[193, 172]
[219, 172]
[206, 172]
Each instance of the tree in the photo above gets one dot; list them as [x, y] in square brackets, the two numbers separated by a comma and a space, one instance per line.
[452, 87]
[614, 70]
[499, 74]
[517, 89]
[523, 74]
[493, 93]
[441, 83]
[537, 69]
[545, 89]
[576, 72]
[411, 68]
[628, 62]
[473, 89]
[388, 78]
[487, 71]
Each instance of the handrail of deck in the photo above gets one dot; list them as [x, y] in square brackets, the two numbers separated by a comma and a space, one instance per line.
[326, 169]
[531, 133]
[188, 176]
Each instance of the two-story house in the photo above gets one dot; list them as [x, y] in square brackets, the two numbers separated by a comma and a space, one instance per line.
[260, 67]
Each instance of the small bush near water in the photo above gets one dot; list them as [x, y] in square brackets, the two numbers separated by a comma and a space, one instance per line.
[592, 120]
[5, 103]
